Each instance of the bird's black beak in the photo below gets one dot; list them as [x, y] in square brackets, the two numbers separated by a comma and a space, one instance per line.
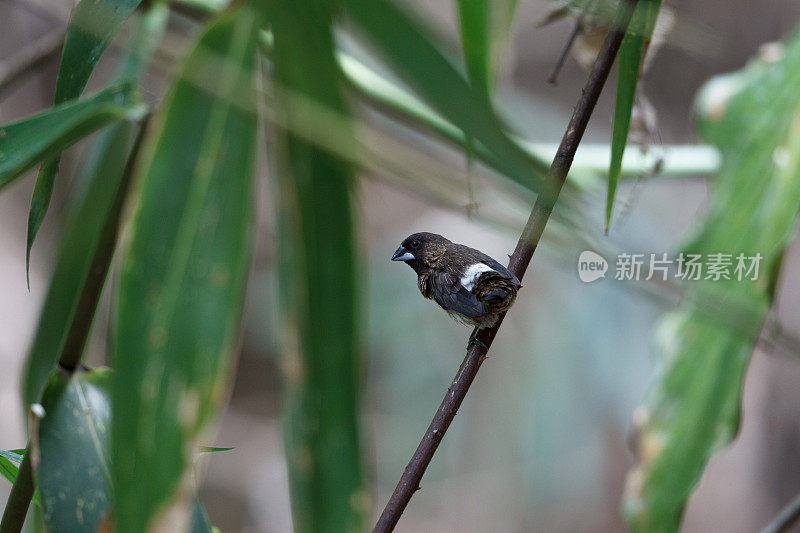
[401, 254]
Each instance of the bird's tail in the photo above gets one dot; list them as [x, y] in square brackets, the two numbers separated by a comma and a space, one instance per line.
[496, 296]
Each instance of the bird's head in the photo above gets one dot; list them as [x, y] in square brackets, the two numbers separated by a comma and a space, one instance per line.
[421, 250]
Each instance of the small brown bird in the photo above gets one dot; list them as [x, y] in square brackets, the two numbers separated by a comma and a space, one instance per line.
[471, 286]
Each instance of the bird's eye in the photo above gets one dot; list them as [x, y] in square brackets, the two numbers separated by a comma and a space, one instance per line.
[414, 244]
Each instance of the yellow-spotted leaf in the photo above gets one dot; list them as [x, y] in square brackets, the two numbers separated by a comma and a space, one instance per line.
[70, 449]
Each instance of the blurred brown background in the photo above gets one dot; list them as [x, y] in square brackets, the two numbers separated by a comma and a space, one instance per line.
[540, 443]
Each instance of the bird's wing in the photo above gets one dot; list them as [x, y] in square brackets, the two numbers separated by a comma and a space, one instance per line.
[476, 256]
[500, 269]
[448, 292]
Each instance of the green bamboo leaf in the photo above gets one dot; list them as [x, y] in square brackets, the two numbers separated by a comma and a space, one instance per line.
[630, 59]
[7, 467]
[183, 274]
[26, 142]
[410, 50]
[89, 236]
[693, 409]
[473, 17]
[317, 295]
[70, 450]
[9, 470]
[13, 455]
[92, 26]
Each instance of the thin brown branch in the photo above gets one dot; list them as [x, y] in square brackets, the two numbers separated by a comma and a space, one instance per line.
[518, 264]
[20, 498]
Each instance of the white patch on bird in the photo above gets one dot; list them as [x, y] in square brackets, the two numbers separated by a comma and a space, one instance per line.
[472, 273]
[408, 256]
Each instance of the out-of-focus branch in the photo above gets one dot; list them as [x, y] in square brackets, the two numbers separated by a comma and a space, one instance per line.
[573, 34]
[672, 161]
[785, 518]
[30, 56]
[518, 264]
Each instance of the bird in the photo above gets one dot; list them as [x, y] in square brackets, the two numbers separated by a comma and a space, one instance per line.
[472, 287]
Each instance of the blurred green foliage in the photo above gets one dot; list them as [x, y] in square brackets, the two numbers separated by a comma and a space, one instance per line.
[317, 277]
[89, 235]
[693, 408]
[183, 275]
[92, 26]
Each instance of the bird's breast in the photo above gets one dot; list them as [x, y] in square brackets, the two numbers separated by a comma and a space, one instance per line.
[422, 283]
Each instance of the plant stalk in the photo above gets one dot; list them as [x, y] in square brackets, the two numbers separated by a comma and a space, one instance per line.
[83, 316]
[518, 264]
[22, 490]
[20, 498]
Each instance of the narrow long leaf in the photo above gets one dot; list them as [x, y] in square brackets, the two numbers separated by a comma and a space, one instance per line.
[89, 236]
[317, 282]
[183, 275]
[26, 142]
[7, 467]
[630, 59]
[13, 455]
[473, 16]
[411, 51]
[70, 450]
[693, 409]
[92, 26]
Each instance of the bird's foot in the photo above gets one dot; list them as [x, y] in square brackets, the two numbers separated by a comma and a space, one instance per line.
[473, 340]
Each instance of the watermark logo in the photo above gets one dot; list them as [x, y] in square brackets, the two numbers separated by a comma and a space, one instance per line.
[591, 266]
[685, 267]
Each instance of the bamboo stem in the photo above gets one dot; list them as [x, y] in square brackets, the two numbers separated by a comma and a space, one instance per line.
[20, 498]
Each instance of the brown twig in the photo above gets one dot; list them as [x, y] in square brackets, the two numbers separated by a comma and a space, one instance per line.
[518, 264]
